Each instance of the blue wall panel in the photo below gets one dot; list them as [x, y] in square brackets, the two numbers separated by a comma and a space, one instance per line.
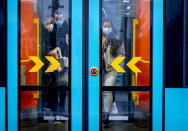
[12, 35]
[2, 109]
[94, 62]
[157, 64]
[176, 109]
[76, 65]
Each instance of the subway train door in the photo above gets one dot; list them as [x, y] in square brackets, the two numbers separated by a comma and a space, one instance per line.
[125, 44]
[44, 65]
[84, 65]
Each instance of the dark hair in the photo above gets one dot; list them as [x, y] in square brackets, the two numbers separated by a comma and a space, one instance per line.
[115, 45]
[59, 11]
[114, 32]
[112, 40]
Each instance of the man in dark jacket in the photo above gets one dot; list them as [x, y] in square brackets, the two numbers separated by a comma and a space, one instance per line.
[59, 43]
[59, 48]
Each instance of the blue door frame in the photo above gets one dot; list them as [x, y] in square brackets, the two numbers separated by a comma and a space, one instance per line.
[76, 113]
[93, 109]
[76, 85]
[12, 60]
[2, 109]
[157, 65]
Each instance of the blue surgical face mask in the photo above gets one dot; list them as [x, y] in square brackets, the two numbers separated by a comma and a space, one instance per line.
[107, 30]
[59, 22]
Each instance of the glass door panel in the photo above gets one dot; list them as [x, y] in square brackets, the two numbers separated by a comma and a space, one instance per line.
[125, 80]
[44, 65]
[44, 92]
[126, 38]
[44, 110]
[126, 110]
[45, 43]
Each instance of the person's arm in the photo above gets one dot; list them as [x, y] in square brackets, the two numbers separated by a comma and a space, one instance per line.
[49, 24]
[66, 32]
[67, 39]
[121, 51]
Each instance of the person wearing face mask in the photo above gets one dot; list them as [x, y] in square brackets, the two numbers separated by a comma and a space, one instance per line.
[58, 28]
[111, 49]
[59, 46]
[59, 41]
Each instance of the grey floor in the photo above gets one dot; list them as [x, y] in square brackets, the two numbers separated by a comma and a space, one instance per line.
[122, 106]
[46, 127]
[125, 127]
[64, 127]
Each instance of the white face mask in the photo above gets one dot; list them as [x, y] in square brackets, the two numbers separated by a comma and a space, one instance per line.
[59, 22]
[107, 31]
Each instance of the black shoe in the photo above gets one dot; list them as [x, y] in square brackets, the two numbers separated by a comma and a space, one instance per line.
[106, 121]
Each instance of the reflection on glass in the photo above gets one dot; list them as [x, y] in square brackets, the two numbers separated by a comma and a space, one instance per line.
[45, 32]
[185, 44]
[3, 44]
[125, 33]
[44, 110]
[126, 111]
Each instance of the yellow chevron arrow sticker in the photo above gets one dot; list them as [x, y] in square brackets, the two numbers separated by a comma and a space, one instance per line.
[131, 64]
[116, 66]
[38, 64]
[54, 62]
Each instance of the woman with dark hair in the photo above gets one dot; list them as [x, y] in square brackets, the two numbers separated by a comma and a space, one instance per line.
[111, 49]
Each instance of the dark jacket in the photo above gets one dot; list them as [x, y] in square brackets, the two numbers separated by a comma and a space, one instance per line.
[58, 38]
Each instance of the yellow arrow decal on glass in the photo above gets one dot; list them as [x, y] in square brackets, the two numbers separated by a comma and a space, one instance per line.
[54, 62]
[116, 66]
[38, 64]
[131, 64]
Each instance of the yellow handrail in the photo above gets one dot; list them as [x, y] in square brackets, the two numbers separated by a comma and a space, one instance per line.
[25, 61]
[144, 61]
[135, 22]
[135, 95]
[36, 21]
[135, 76]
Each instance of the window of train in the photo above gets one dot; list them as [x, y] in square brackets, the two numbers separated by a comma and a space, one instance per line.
[175, 44]
[3, 43]
[126, 64]
[44, 88]
[126, 42]
[45, 43]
